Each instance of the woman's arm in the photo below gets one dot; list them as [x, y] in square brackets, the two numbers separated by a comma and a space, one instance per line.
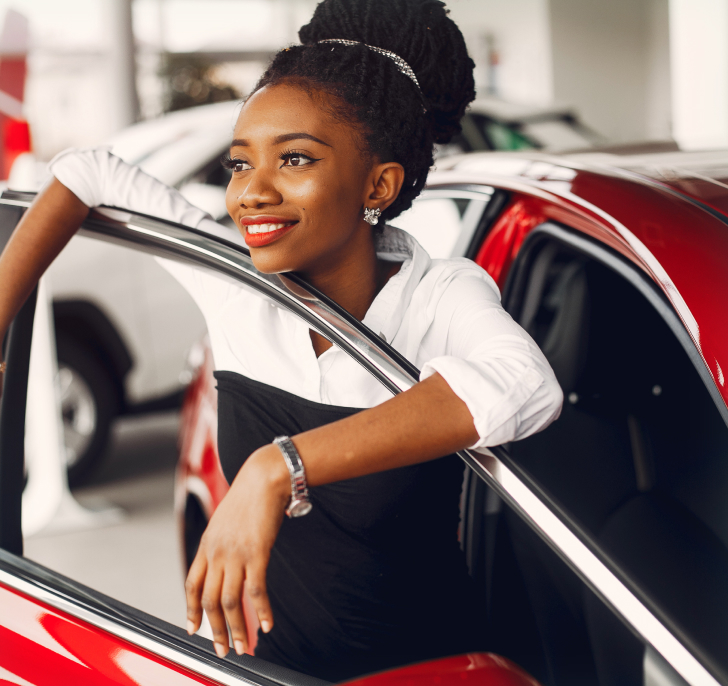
[423, 423]
[41, 234]
[82, 179]
[495, 386]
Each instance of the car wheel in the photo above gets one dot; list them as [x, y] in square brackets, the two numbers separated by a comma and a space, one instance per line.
[88, 404]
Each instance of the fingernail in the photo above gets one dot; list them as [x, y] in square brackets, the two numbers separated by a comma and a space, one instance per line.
[266, 626]
[239, 647]
[190, 627]
[220, 649]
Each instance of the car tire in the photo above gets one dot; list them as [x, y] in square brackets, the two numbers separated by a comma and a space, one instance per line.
[89, 403]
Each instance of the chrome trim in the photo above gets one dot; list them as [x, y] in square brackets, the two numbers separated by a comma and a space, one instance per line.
[171, 653]
[397, 374]
[326, 318]
[586, 564]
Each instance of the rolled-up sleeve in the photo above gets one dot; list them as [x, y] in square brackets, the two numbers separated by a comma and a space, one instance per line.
[98, 177]
[493, 365]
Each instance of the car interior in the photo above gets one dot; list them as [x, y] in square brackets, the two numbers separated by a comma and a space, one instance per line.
[637, 461]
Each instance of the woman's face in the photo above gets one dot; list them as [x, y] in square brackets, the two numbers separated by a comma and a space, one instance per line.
[299, 182]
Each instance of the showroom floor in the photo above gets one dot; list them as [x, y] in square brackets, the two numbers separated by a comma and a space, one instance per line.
[137, 559]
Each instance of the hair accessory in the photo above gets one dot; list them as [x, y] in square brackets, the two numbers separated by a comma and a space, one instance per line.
[401, 64]
[371, 215]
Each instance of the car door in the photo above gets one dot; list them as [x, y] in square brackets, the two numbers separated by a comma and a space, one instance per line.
[54, 628]
[636, 463]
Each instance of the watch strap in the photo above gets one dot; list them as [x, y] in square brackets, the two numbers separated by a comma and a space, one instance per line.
[300, 503]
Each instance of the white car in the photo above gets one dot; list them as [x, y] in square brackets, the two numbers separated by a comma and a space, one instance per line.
[124, 331]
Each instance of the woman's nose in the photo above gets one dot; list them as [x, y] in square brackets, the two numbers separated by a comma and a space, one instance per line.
[259, 191]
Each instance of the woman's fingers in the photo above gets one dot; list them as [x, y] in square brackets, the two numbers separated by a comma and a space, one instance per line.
[211, 605]
[232, 605]
[235, 549]
[258, 593]
[194, 584]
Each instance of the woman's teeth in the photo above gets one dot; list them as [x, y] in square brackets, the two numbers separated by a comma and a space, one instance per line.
[266, 228]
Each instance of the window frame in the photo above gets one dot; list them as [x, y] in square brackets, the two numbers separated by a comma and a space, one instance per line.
[492, 465]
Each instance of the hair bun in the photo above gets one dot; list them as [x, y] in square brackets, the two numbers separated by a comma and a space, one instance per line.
[418, 31]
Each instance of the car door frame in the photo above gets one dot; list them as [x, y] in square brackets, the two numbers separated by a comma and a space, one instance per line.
[492, 465]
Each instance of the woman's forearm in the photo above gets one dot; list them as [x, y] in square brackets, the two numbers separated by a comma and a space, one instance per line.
[424, 423]
[41, 234]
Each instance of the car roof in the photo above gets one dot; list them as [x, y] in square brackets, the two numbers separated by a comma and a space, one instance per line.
[665, 212]
[514, 112]
[177, 144]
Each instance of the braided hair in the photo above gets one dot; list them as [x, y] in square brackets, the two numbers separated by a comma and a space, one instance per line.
[398, 121]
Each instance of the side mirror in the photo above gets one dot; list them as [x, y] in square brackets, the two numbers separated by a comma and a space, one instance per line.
[475, 669]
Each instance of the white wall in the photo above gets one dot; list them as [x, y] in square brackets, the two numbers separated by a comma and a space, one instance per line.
[611, 60]
[699, 43]
[520, 32]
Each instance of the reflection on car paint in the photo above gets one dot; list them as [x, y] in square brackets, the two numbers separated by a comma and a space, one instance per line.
[42, 646]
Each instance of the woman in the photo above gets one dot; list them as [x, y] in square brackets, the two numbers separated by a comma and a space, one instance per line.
[338, 134]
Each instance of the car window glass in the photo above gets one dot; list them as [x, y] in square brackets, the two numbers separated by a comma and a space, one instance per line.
[435, 223]
[124, 330]
[444, 225]
[639, 456]
[131, 342]
[540, 613]
[503, 137]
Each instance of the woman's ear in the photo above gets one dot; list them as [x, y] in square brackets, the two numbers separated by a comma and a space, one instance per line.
[387, 180]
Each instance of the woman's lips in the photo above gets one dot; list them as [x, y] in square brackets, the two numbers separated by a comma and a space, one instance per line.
[263, 230]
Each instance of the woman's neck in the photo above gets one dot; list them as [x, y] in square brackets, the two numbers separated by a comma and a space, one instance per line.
[352, 282]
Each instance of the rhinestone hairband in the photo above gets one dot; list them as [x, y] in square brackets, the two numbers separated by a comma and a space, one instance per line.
[401, 64]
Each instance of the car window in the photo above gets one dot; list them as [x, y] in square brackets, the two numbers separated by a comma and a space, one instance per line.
[639, 456]
[503, 137]
[443, 222]
[124, 329]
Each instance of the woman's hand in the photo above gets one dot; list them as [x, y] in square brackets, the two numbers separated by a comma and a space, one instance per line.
[235, 549]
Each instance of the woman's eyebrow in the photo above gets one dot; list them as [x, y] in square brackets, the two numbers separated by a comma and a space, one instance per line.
[283, 138]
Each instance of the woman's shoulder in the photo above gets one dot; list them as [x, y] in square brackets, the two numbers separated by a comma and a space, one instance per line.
[458, 274]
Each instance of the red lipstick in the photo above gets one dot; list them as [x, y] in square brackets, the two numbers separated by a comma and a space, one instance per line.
[257, 240]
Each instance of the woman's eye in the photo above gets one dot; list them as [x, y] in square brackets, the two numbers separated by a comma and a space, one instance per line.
[297, 160]
[239, 165]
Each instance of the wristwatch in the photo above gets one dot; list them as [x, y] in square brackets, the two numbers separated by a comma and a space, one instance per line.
[300, 504]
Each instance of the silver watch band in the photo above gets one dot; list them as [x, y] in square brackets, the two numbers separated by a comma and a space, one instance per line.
[300, 503]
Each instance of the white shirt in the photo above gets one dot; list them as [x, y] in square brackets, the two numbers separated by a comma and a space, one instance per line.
[444, 316]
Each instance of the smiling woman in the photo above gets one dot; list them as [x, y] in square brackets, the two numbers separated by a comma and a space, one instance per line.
[339, 132]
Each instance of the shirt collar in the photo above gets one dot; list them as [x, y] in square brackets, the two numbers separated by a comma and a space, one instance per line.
[386, 313]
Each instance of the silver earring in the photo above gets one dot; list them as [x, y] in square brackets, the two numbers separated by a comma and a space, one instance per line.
[371, 215]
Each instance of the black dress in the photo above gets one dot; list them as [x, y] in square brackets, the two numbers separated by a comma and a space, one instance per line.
[373, 577]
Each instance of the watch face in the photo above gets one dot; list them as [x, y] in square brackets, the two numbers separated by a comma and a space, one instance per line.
[298, 508]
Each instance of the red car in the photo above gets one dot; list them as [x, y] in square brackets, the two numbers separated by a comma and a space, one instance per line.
[601, 543]
[55, 631]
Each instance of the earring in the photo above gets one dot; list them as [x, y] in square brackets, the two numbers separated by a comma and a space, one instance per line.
[371, 215]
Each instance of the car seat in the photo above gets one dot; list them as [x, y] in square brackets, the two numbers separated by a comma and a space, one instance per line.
[616, 462]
